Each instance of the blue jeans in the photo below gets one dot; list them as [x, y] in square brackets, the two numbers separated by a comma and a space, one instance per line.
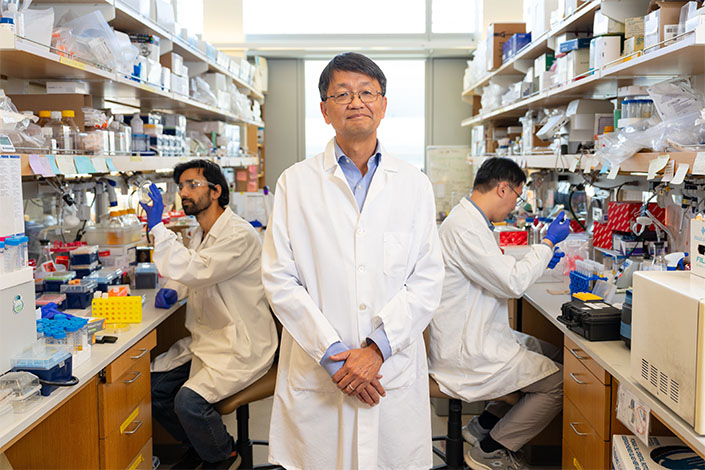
[188, 417]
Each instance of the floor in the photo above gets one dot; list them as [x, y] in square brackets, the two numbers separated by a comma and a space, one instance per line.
[259, 429]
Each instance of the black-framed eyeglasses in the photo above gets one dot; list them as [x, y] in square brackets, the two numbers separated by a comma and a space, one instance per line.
[193, 184]
[520, 198]
[346, 97]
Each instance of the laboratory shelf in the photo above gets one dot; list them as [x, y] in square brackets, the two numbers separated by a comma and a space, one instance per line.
[684, 57]
[580, 20]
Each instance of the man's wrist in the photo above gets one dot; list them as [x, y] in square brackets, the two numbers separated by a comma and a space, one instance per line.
[547, 242]
[376, 349]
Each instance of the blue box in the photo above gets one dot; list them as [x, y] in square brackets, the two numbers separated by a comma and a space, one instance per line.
[574, 44]
[84, 255]
[54, 282]
[106, 277]
[60, 372]
[79, 295]
[515, 43]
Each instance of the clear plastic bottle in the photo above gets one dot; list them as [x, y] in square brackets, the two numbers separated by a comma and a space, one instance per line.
[61, 133]
[68, 119]
[24, 251]
[136, 124]
[115, 229]
[544, 228]
[659, 261]
[536, 231]
[131, 217]
[12, 254]
[45, 255]
[44, 118]
[144, 192]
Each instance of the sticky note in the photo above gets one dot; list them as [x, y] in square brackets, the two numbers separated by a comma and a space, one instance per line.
[680, 173]
[111, 165]
[84, 164]
[668, 171]
[656, 165]
[99, 164]
[604, 168]
[573, 164]
[66, 165]
[52, 163]
[614, 171]
[40, 166]
[699, 164]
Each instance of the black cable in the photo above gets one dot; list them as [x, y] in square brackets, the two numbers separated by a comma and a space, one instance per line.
[69, 383]
[572, 212]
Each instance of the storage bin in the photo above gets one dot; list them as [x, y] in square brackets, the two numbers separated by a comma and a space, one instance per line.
[24, 389]
[84, 255]
[79, 295]
[53, 282]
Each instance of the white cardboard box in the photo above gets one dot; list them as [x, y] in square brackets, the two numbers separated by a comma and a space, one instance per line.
[697, 246]
[73, 87]
[662, 453]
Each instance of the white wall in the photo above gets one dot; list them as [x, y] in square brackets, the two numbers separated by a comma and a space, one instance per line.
[501, 11]
[222, 21]
[444, 108]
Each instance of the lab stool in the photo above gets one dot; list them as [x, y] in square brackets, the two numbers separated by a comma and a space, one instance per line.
[262, 388]
[453, 456]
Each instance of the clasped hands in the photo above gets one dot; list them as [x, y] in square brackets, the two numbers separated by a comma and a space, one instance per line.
[359, 375]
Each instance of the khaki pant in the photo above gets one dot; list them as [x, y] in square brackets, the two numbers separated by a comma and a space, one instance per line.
[540, 402]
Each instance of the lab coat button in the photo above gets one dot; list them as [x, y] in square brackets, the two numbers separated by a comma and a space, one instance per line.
[361, 269]
[360, 232]
[363, 307]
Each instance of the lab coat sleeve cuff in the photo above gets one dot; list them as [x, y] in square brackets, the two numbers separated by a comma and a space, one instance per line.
[333, 366]
[379, 337]
[159, 231]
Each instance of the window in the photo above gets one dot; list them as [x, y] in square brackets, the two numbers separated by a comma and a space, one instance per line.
[455, 16]
[403, 128]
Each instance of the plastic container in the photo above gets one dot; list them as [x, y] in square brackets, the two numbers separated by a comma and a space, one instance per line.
[3, 257]
[61, 133]
[118, 310]
[146, 276]
[68, 119]
[144, 192]
[24, 251]
[5, 406]
[8, 23]
[79, 295]
[54, 281]
[113, 236]
[44, 118]
[595, 321]
[106, 277]
[12, 254]
[49, 363]
[24, 389]
[84, 255]
[85, 269]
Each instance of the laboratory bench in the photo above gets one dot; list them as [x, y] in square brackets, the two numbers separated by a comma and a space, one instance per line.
[592, 373]
[105, 420]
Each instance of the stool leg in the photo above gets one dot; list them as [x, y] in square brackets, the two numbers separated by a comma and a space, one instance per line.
[244, 444]
[454, 440]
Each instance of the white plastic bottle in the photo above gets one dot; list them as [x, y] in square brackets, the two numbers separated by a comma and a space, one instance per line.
[136, 124]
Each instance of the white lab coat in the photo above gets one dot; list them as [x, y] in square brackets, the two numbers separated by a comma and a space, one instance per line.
[333, 274]
[474, 354]
[233, 337]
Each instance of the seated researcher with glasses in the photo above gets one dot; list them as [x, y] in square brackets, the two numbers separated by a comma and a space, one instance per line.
[474, 354]
[233, 337]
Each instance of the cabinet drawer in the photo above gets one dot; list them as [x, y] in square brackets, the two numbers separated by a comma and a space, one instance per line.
[118, 399]
[122, 445]
[143, 460]
[589, 450]
[581, 387]
[120, 365]
[568, 460]
[577, 353]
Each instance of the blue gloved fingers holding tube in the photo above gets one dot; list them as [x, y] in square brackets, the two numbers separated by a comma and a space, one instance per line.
[165, 298]
[558, 230]
[156, 210]
[557, 255]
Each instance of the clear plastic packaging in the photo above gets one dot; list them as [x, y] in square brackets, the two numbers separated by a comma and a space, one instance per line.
[24, 389]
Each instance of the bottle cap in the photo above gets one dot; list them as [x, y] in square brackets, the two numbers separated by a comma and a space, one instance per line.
[68, 113]
[44, 114]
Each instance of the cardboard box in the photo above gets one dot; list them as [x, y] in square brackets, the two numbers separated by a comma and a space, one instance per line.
[604, 50]
[697, 246]
[604, 25]
[543, 63]
[497, 35]
[634, 27]
[601, 236]
[537, 15]
[174, 62]
[166, 79]
[621, 214]
[179, 84]
[54, 102]
[659, 21]
[633, 45]
[217, 81]
[629, 453]
[68, 88]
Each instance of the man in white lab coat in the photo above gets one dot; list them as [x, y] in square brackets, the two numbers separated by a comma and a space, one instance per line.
[474, 354]
[352, 267]
[233, 336]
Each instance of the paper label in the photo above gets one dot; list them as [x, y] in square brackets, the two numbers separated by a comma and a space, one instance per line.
[136, 158]
[72, 63]
[613, 172]
[111, 165]
[573, 164]
[680, 173]
[100, 165]
[634, 414]
[52, 163]
[668, 172]
[656, 165]
[65, 163]
[699, 164]
[84, 164]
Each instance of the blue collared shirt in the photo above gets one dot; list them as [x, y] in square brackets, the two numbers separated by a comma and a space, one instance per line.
[359, 185]
[489, 224]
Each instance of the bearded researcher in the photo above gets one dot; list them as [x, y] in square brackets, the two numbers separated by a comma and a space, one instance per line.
[233, 336]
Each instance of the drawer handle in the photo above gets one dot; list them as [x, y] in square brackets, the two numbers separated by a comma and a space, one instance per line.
[140, 423]
[576, 355]
[144, 351]
[577, 380]
[136, 374]
[572, 426]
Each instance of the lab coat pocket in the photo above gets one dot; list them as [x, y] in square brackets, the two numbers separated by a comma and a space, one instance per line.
[396, 253]
[306, 374]
[399, 370]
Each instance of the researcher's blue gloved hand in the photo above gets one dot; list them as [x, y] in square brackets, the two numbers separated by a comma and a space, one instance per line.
[155, 211]
[165, 298]
[558, 230]
[557, 255]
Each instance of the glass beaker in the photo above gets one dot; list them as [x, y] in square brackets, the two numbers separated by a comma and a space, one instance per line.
[144, 192]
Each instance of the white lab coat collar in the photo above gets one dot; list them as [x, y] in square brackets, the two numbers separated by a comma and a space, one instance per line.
[329, 160]
[216, 230]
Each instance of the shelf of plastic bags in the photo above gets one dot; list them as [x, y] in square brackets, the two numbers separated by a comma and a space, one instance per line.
[535, 48]
[637, 164]
[684, 57]
[74, 165]
[20, 58]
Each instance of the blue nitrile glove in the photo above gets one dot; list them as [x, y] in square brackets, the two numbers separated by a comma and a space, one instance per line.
[558, 230]
[165, 298]
[557, 255]
[155, 211]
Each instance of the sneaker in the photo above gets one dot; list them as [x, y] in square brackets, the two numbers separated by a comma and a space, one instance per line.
[231, 463]
[501, 459]
[189, 461]
[473, 433]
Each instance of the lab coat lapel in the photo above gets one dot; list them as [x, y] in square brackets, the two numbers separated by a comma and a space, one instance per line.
[338, 177]
[386, 170]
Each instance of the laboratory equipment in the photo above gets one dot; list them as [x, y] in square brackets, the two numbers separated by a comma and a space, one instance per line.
[53, 281]
[84, 255]
[24, 389]
[79, 295]
[625, 328]
[17, 318]
[52, 365]
[53, 298]
[668, 337]
[595, 321]
[144, 190]
[146, 276]
[106, 277]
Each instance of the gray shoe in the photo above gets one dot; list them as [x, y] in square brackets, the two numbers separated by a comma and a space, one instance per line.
[501, 459]
[473, 433]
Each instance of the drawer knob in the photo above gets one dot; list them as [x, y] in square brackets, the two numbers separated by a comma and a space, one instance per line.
[138, 424]
[572, 426]
[144, 351]
[577, 380]
[574, 352]
[136, 374]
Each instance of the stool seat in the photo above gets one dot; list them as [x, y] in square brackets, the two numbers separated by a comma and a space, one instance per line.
[258, 390]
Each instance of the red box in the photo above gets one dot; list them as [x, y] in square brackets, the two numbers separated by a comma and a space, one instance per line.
[622, 214]
[513, 238]
[601, 235]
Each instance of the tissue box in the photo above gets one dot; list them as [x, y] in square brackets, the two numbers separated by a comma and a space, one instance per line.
[601, 236]
[628, 452]
[621, 214]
